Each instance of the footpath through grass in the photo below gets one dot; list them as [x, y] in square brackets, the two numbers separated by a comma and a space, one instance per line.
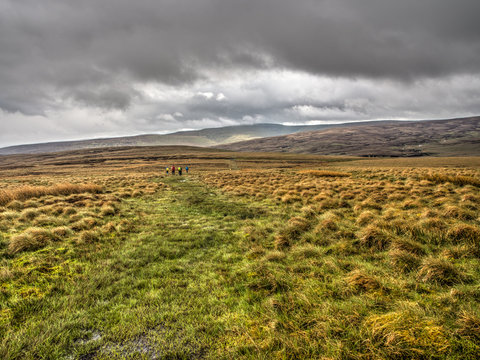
[165, 291]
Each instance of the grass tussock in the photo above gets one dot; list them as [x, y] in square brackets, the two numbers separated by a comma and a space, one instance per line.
[27, 192]
[405, 334]
[324, 173]
[460, 180]
[469, 326]
[295, 227]
[374, 238]
[31, 239]
[464, 234]
[360, 281]
[404, 260]
[439, 271]
[406, 245]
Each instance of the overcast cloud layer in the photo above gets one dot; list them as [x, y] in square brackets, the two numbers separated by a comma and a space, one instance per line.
[80, 69]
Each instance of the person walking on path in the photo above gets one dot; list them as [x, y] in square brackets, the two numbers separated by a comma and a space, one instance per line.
[173, 169]
[180, 171]
[186, 169]
[167, 169]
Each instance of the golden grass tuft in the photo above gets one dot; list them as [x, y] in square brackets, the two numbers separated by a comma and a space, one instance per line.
[84, 224]
[439, 271]
[29, 214]
[274, 256]
[404, 334]
[460, 180]
[404, 260]
[5, 274]
[62, 231]
[324, 173]
[469, 326]
[296, 226]
[107, 210]
[464, 233]
[365, 218]
[360, 282]
[31, 239]
[89, 236]
[452, 211]
[28, 192]
[109, 228]
[374, 238]
[407, 245]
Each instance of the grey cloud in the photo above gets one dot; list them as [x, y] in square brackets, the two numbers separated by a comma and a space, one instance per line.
[58, 55]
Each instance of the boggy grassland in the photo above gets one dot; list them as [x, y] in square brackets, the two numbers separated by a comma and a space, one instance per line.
[249, 256]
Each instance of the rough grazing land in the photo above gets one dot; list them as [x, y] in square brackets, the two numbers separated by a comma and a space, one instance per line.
[103, 256]
[455, 137]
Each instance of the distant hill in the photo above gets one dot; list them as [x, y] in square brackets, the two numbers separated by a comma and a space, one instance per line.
[452, 137]
[204, 138]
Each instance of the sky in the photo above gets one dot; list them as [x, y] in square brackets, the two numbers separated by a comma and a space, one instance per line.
[100, 68]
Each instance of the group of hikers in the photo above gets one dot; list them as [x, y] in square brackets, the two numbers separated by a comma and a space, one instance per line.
[178, 169]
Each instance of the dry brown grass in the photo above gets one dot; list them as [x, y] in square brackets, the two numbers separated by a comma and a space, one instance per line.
[439, 271]
[410, 246]
[324, 173]
[31, 239]
[404, 260]
[360, 281]
[464, 233]
[373, 237]
[26, 192]
[460, 180]
[405, 334]
[469, 326]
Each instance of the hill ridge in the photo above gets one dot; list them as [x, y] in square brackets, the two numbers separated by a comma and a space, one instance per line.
[450, 137]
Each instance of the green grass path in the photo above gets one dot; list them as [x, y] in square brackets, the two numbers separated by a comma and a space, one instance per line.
[166, 291]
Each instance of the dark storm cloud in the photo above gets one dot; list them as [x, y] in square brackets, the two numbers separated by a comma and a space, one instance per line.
[56, 55]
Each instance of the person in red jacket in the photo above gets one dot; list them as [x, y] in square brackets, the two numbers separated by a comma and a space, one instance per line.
[173, 169]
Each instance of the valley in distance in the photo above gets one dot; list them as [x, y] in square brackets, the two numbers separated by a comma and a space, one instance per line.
[349, 242]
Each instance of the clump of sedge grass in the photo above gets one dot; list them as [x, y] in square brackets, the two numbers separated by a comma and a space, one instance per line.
[107, 210]
[404, 334]
[452, 211]
[360, 281]
[29, 214]
[296, 226]
[89, 236]
[404, 260]
[5, 274]
[469, 326]
[464, 233]
[366, 217]
[84, 224]
[31, 239]
[62, 231]
[324, 173]
[439, 271]
[373, 237]
[109, 228]
[460, 180]
[407, 245]
[43, 220]
[275, 256]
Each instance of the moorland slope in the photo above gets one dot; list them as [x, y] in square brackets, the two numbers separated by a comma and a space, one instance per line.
[453, 137]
